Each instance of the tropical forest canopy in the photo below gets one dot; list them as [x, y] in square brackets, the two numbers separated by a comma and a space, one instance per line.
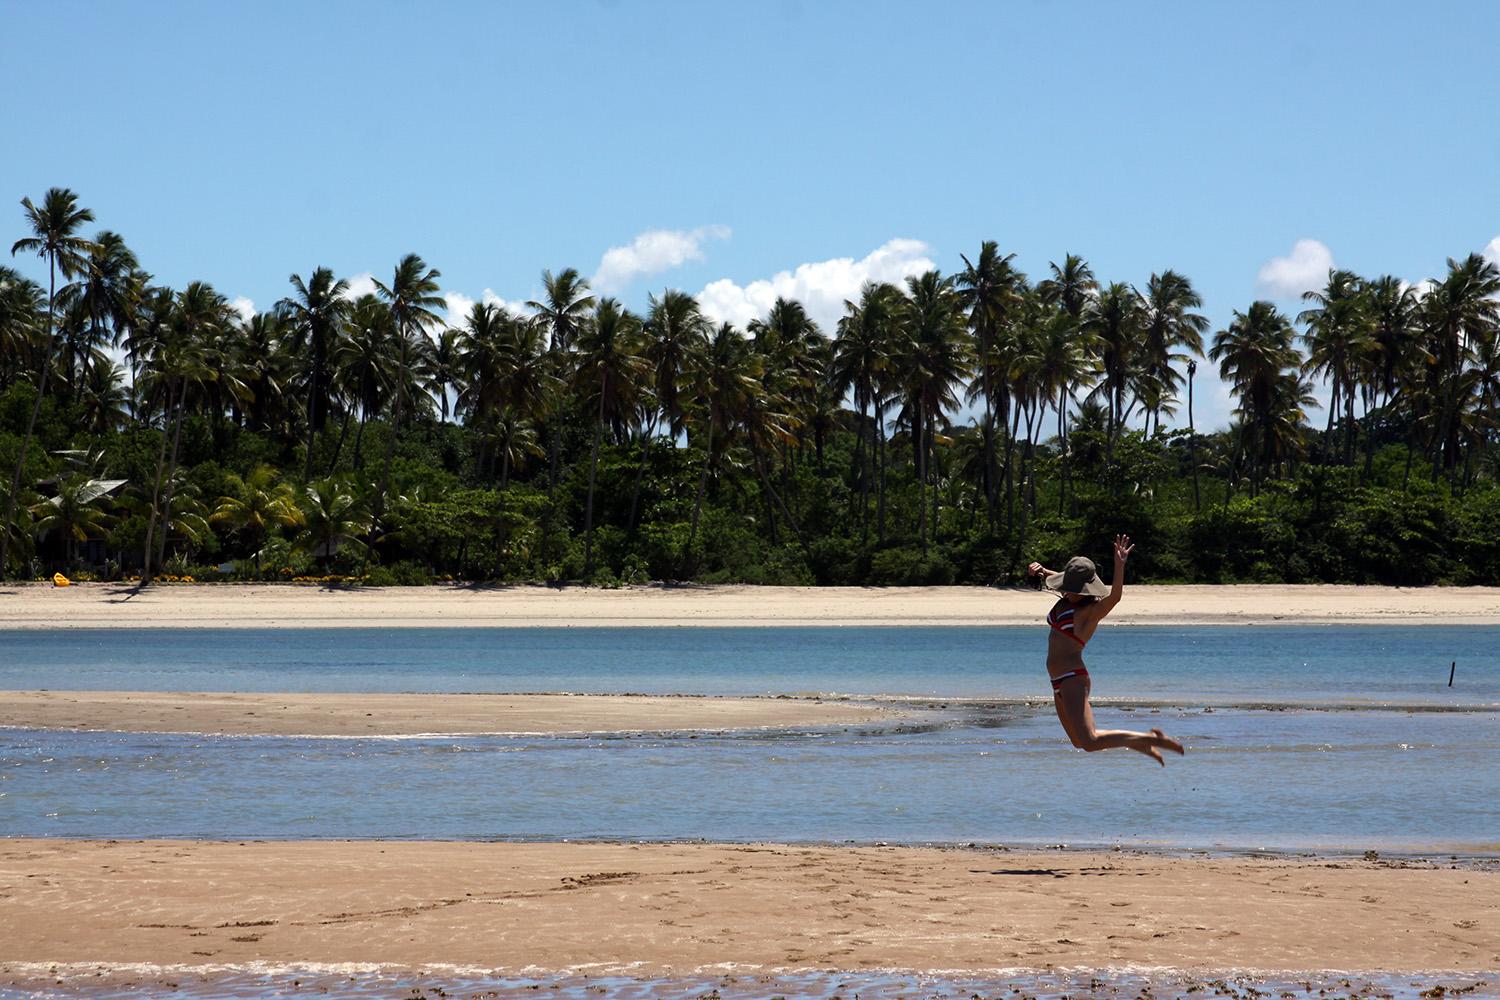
[947, 430]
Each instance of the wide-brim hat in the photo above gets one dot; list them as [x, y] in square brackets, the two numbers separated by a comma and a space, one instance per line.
[1078, 577]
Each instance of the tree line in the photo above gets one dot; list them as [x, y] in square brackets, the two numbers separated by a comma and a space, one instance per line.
[944, 426]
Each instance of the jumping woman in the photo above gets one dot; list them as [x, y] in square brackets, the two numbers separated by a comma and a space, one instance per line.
[1084, 602]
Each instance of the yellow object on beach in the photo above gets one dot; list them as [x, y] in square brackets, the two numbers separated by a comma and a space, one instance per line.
[58, 580]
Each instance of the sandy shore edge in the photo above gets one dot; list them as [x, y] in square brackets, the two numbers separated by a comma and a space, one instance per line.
[36, 606]
[376, 715]
[665, 908]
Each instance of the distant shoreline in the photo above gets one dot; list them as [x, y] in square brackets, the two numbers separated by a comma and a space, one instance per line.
[103, 605]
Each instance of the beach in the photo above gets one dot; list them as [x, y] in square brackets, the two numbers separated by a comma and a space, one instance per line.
[677, 907]
[724, 817]
[345, 714]
[41, 606]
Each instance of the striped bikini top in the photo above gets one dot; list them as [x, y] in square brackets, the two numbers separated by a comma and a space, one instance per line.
[1060, 618]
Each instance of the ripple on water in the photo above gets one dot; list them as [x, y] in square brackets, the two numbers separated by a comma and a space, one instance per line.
[355, 983]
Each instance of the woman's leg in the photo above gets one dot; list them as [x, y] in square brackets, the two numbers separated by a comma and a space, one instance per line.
[1077, 717]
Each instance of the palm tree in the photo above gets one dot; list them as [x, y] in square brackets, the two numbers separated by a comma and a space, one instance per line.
[22, 302]
[1072, 286]
[315, 313]
[676, 330]
[791, 348]
[610, 369]
[1061, 364]
[104, 398]
[444, 371]
[719, 382]
[362, 365]
[413, 296]
[992, 291]
[331, 517]
[265, 367]
[508, 380]
[1168, 325]
[562, 311]
[104, 298]
[54, 227]
[1338, 335]
[1114, 320]
[178, 363]
[1257, 356]
[256, 505]
[1192, 372]
[75, 512]
[1459, 313]
[861, 351]
[934, 361]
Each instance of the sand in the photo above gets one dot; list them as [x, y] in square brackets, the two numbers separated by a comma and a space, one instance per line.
[673, 908]
[291, 606]
[414, 714]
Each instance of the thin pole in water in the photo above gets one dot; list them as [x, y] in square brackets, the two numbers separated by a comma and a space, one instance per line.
[1451, 671]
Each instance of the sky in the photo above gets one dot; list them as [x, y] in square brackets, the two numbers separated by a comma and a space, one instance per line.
[741, 151]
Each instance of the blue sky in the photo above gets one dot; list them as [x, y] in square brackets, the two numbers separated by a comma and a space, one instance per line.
[714, 146]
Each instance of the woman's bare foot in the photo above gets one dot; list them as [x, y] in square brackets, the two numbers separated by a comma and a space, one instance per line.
[1163, 740]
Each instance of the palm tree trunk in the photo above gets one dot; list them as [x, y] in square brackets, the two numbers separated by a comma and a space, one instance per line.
[933, 473]
[339, 449]
[1349, 431]
[314, 389]
[919, 455]
[505, 456]
[161, 462]
[702, 484]
[552, 461]
[880, 500]
[385, 473]
[1010, 448]
[359, 437]
[863, 461]
[640, 472]
[166, 500]
[990, 493]
[765, 480]
[588, 509]
[36, 408]
[1062, 453]
[1193, 451]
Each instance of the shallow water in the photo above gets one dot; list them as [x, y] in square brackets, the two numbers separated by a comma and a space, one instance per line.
[1282, 779]
[1333, 666]
[876, 985]
[1346, 770]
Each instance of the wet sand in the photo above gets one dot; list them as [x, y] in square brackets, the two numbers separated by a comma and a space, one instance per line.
[311, 605]
[675, 908]
[326, 714]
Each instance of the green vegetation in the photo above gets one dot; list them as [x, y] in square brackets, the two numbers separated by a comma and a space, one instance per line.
[356, 438]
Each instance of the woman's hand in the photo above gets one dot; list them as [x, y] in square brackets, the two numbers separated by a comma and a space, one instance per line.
[1036, 569]
[1123, 548]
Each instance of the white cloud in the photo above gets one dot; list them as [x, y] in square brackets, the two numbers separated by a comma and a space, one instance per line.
[652, 252]
[1303, 270]
[360, 284]
[821, 286]
[1492, 251]
[459, 305]
[244, 307]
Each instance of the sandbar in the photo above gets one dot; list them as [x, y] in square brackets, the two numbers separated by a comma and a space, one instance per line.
[341, 714]
[37, 606]
[678, 907]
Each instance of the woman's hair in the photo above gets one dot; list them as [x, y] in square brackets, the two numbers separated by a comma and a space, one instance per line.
[1082, 598]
